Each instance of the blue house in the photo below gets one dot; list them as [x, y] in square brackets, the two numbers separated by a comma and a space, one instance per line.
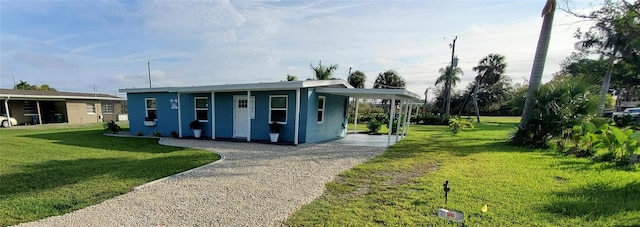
[309, 111]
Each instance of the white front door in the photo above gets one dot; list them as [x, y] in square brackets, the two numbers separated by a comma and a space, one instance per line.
[240, 116]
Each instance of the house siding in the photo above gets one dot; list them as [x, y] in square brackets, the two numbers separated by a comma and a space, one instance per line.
[167, 118]
[77, 111]
[333, 125]
[309, 129]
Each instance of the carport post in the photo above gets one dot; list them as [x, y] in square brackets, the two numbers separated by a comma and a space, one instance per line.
[355, 119]
[408, 121]
[391, 114]
[39, 114]
[399, 120]
[6, 108]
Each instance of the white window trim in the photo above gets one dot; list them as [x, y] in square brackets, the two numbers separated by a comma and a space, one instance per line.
[146, 108]
[195, 113]
[286, 112]
[324, 104]
[94, 109]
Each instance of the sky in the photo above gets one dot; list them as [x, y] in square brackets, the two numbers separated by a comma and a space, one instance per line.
[103, 46]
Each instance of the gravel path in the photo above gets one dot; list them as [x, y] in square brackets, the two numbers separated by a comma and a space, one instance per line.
[254, 185]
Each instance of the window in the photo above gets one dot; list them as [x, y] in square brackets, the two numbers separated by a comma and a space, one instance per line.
[107, 109]
[278, 108]
[202, 108]
[30, 108]
[91, 108]
[321, 100]
[150, 106]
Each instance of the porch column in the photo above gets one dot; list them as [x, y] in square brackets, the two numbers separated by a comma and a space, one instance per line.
[408, 121]
[179, 116]
[6, 108]
[297, 124]
[248, 115]
[213, 115]
[391, 114]
[399, 120]
[39, 114]
[355, 119]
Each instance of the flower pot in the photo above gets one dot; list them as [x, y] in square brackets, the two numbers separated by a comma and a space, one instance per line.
[149, 123]
[274, 137]
[197, 133]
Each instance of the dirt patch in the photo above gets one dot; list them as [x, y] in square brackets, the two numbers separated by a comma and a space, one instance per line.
[398, 178]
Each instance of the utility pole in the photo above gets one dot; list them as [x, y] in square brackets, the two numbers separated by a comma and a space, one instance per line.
[454, 63]
[149, 69]
[95, 90]
[14, 81]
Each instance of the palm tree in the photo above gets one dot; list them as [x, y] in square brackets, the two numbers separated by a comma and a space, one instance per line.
[389, 80]
[357, 79]
[324, 72]
[446, 74]
[538, 62]
[490, 71]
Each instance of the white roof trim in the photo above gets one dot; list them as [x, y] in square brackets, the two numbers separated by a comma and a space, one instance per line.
[284, 85]
[370, 93]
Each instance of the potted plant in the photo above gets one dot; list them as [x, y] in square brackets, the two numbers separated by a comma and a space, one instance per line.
[274, 131]
[197, 128]
[149, 122]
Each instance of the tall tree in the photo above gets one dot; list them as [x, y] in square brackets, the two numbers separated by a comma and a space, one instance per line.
[357, 79]
[324, 72]
[389, 80]
[291, 77]
[616, 34]
[446, 74]
[538, 62]
[490, 71]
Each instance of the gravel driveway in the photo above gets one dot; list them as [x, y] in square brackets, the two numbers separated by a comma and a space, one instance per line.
[253, 185]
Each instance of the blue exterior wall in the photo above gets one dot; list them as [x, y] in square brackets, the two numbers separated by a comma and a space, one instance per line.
[188, 113]
[333, 124]
[167, 118]
[310, 131]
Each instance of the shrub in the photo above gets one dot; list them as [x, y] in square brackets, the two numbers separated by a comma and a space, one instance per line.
[374, 126]
[157, 134]
[174, 134]
[112, 127]
[139, 134]
[432, 119]
[195, 124]
[559, 106]
[627, 121]
[457, 124]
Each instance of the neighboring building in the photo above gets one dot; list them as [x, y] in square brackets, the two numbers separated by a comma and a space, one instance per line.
[309, 111]
[41, 107]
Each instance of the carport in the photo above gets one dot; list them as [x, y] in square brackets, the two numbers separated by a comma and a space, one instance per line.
[402, 96]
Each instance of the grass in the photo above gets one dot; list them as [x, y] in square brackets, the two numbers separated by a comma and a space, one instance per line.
[55, 169]
[522, 187]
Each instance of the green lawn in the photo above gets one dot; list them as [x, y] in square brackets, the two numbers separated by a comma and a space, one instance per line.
[54, 169]
[522, 187]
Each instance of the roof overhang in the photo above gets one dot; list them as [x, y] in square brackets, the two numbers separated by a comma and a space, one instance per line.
[271, 86]
[54, 97]
[370, 93]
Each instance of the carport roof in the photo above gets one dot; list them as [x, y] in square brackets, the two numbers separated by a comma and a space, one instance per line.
[369, 93]
[44, 95]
